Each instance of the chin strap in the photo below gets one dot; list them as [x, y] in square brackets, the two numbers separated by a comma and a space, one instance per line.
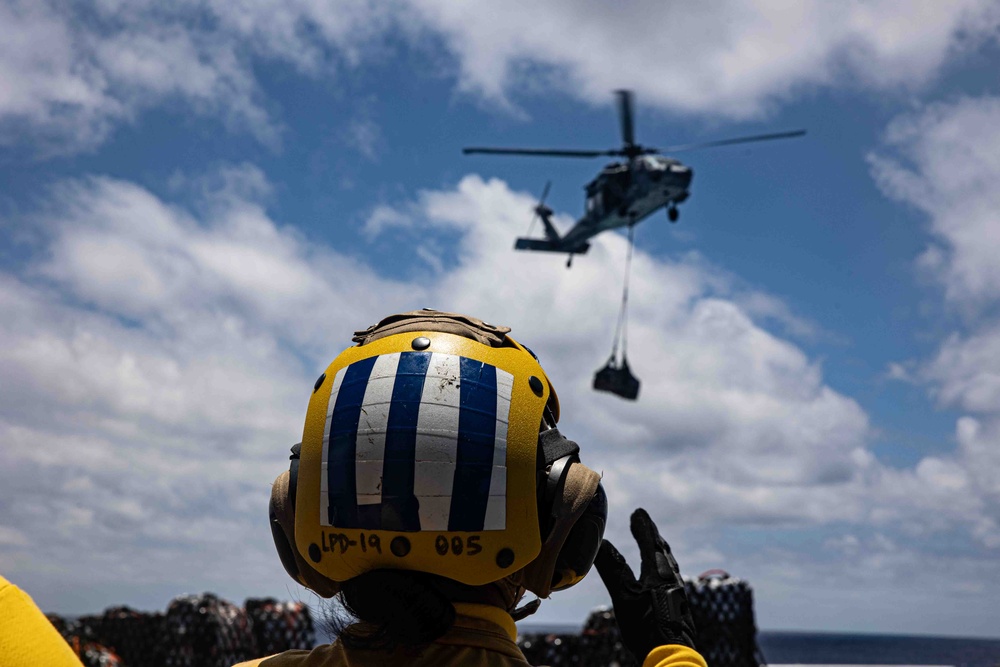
[526, 610]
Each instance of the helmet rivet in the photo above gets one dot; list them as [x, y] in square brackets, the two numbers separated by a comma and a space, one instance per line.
[400, 546]
[421, 343]
[319, 382]
[314, 553]
[536, 385]
[505, 557]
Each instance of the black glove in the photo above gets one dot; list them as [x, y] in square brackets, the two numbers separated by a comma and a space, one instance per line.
[653, 611]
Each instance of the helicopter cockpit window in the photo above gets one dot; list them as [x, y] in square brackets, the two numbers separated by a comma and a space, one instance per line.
[615, 181]
[594, 202]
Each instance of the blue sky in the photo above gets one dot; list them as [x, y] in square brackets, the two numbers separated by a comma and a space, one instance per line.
[199, 204]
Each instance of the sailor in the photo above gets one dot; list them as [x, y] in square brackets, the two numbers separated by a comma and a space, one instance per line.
[432, 460]
[27, 638]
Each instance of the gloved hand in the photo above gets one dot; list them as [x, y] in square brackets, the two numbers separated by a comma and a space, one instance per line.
[652, 611]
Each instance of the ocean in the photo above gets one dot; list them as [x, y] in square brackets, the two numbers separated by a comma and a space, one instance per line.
[846, 649]
[822, 648]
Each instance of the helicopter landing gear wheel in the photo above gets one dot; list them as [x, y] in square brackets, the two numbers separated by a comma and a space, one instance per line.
[673, 214]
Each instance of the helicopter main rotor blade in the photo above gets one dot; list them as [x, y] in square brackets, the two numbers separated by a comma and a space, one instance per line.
[730, 142]
[554, 152]
[625, 116]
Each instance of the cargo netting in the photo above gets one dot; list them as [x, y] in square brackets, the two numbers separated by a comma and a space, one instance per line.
[195, 631]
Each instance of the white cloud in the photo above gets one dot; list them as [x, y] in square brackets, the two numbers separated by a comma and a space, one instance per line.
[364, 135]
[12, 536]
[70, 84]
[384, 217]
[72, 72]
[769, 308]
[966, 370]
[45, 85]
[126, 251]
[944, 161]
[979, 444]
[154, 369]
[728, 58]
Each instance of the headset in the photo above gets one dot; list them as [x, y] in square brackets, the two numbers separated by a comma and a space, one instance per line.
[578, 552]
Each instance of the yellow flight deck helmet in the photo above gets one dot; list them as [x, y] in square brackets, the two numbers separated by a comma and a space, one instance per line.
[431, 446]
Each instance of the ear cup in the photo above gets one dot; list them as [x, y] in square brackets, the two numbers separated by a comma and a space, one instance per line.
[566, 493]
[552, 489]
[282, 518]
[281, 514]
[582, 544]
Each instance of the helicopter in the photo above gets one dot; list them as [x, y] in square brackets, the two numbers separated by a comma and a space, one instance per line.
[624, 192]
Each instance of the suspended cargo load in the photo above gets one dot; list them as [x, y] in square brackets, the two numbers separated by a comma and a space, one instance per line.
[617, 379]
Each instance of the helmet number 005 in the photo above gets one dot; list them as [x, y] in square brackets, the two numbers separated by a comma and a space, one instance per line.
[469, 546]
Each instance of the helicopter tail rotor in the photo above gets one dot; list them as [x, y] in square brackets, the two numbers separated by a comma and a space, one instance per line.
[545, 213]
[552, 242]
[541, 210]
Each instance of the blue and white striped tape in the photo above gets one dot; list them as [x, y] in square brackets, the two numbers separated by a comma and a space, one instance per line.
[416, 441]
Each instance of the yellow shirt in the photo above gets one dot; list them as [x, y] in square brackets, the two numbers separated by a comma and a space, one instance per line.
[27, 639]
[482, 636]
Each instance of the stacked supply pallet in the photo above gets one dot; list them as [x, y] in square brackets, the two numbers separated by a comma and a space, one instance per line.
[196, 631]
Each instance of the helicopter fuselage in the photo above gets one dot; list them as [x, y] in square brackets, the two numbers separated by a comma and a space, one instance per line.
[623, 194]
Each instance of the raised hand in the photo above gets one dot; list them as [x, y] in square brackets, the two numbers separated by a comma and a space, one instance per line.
[652, 611]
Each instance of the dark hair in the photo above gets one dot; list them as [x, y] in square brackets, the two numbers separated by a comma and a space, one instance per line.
[395, 607]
